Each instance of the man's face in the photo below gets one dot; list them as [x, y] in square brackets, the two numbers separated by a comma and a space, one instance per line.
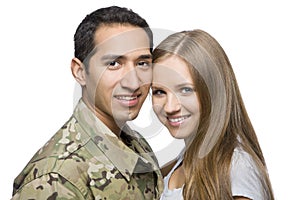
[119, 73]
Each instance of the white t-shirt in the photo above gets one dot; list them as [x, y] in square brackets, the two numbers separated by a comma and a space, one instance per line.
[244, 178]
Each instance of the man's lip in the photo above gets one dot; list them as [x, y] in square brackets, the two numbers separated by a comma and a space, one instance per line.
[128, 100]
[127, 96]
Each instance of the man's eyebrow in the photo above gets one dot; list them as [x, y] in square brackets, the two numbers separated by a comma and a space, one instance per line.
[111, 57]
[145, 56]
[115, 56]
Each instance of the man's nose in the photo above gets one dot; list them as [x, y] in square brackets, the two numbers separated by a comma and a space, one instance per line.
[130, 78]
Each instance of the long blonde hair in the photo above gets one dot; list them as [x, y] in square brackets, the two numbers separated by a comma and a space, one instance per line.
[224, 123]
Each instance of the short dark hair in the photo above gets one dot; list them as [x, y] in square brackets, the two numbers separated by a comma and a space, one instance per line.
[84, 41]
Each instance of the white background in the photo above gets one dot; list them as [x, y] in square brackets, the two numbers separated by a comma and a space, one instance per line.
[261, 38]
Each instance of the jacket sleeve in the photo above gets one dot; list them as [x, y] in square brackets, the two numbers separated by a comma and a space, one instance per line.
[49, 186]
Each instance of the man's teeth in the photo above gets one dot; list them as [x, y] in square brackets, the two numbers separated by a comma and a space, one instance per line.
[126, 98]
[177, 119]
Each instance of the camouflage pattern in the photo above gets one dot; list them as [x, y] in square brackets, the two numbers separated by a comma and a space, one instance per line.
[85, 160]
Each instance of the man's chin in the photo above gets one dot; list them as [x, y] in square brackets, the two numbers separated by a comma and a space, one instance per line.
[132, 115]
[122, 118]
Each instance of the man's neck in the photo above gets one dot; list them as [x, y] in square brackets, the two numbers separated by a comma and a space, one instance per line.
[109, 121]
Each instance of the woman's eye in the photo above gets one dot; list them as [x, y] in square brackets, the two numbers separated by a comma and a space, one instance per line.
[158, 92]
[114, 65]
[187, 90]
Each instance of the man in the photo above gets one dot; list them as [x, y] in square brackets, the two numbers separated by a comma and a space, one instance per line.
[95, 155]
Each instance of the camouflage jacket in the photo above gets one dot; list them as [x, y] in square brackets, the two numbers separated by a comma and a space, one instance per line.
[85, 160]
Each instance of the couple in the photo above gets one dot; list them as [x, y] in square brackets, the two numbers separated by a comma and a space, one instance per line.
[95, 155]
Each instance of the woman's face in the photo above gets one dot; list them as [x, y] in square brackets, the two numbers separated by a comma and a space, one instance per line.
[174, 98]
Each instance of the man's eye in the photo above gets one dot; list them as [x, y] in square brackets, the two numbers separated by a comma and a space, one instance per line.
[113, 65]
[144, 64]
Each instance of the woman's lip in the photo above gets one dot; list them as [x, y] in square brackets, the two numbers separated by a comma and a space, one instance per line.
[177, 120]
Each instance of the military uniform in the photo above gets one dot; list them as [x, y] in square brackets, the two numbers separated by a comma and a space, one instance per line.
[85, 160]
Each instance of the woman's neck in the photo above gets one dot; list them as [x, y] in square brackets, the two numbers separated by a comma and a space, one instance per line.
[177, 178]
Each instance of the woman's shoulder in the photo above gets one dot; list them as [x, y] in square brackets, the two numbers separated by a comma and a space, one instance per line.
[245, 175]
[241, 158]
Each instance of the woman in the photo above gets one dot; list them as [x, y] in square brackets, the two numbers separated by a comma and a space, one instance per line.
[196, 96]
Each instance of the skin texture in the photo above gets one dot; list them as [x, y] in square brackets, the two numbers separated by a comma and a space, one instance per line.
[174, 97]
[119, 75]
[177, 106]
[89, 157]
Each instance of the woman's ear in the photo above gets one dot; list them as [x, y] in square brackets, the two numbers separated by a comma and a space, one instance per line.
[78, 71]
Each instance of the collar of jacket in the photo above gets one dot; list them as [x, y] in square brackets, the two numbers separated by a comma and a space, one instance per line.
[125, 159]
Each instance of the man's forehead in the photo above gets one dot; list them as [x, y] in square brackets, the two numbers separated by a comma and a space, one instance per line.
[120, 39]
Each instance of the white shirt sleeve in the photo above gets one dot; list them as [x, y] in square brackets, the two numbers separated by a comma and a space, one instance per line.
[245, 179]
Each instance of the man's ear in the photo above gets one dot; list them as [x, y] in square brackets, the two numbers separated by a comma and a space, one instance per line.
[78, 71]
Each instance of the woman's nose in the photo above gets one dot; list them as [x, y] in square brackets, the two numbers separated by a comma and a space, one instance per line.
[172, 104]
